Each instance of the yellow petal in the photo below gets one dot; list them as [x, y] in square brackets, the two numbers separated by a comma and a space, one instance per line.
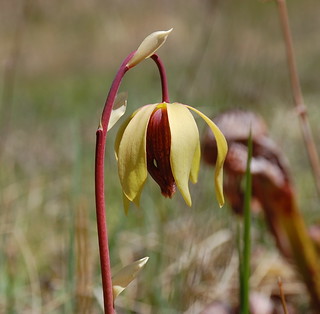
[121, 279]
[130, 148]
[120, 134]
[195, 164]
[118, 110]
[222, 152]
[149, 46]
[126, 203]
[184, 145]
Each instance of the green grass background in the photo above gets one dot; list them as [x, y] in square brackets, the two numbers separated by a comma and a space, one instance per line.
[57, 62]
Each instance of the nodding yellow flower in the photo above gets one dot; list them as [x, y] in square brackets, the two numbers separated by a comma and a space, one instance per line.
[163, 139]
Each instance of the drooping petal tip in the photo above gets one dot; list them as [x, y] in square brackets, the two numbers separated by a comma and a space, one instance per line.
[222, 148]
[185, 148]
[149, 46]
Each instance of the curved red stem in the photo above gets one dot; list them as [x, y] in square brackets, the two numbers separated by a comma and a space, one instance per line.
[101, 136]
[163, 77]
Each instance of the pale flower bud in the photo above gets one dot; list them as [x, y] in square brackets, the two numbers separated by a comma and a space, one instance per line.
[149, 46]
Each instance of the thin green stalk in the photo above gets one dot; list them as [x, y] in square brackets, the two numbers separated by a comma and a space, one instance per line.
[239, 247]
[69, 306]
[245, 263]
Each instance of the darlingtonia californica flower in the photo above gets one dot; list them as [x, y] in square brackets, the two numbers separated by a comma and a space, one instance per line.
[163, 139]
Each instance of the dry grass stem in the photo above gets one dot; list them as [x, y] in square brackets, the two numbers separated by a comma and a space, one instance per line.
[31, 265]
[83, 293]
[297, 94]
[283, 300]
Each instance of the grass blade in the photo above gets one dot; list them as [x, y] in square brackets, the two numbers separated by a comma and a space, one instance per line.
[245, 258]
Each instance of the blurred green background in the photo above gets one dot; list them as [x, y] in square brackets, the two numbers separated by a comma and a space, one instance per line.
[57, 62]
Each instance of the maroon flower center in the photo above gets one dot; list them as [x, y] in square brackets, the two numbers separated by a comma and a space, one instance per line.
[158, 151]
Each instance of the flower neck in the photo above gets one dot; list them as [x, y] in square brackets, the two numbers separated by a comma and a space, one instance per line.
[163, 77]
[113, 93]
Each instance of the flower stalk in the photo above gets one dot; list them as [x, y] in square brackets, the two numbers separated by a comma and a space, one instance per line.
[145, 50]
[101, 136]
